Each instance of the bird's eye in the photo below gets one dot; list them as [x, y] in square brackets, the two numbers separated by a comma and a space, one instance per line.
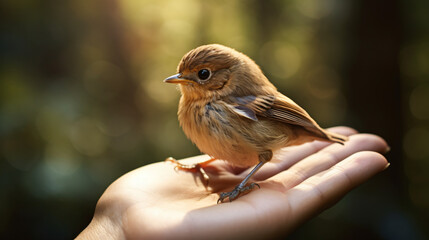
[203, 74]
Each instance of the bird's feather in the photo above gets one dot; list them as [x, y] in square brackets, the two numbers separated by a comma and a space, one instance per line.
[277, 108]
[244, 111]
[283, 109]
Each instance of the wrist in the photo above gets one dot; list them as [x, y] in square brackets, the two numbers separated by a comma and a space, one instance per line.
[101, 228]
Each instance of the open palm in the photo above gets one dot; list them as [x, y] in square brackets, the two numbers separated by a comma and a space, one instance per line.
[157, 201]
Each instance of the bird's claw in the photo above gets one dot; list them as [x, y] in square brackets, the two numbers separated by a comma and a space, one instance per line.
[190, 167]
[236, 192]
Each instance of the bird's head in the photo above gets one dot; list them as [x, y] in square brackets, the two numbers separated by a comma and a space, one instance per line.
[215, 70]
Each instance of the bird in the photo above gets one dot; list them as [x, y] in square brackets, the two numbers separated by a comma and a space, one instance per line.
[232, 112]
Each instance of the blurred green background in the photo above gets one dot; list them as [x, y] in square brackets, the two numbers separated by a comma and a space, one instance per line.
[83, 102]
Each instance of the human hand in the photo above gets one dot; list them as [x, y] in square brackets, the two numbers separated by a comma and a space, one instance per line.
[156, 201]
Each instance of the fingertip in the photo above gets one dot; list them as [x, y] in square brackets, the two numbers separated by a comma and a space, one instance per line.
[387, 149]
[327, 187]
[372, 141]
[387, 165]
[370, 161]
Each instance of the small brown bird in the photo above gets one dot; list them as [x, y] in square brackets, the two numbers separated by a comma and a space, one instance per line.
[231, 111]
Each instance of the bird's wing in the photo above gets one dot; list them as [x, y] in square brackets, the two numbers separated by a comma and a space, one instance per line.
[279, 108]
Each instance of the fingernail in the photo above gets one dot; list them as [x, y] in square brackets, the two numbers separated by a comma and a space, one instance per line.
[387, 149]
[387, 165]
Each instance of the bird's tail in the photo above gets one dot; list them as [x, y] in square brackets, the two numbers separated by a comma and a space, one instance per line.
[325, 135]
[335, 137]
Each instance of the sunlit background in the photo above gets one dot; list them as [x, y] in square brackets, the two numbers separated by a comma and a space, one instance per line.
[83, 101]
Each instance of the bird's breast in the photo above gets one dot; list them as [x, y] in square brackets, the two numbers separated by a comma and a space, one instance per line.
[205, 120]
[212, 128]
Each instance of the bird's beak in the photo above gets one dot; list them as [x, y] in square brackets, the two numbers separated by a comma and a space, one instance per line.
[176, 78]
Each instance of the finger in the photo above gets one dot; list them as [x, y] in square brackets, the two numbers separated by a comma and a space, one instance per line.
[343, 130]
[295, 153]
[288, 156]
[324, 189]
[326, 158]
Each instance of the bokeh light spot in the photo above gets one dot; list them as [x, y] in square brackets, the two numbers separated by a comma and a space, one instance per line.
[87, 138]
[280, 59]
[416, 143]
[419, 102]
[414, 60]
[314, 8]
[61, 158]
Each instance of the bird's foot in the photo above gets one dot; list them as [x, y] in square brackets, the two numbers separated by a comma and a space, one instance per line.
[236, 192]
[192, 167]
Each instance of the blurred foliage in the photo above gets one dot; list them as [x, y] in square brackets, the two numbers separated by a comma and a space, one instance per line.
[83, 102]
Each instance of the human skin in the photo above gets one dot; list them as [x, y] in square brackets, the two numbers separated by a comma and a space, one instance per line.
[158, 201]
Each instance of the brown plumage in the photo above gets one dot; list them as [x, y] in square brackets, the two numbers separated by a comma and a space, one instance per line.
[231, 111]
